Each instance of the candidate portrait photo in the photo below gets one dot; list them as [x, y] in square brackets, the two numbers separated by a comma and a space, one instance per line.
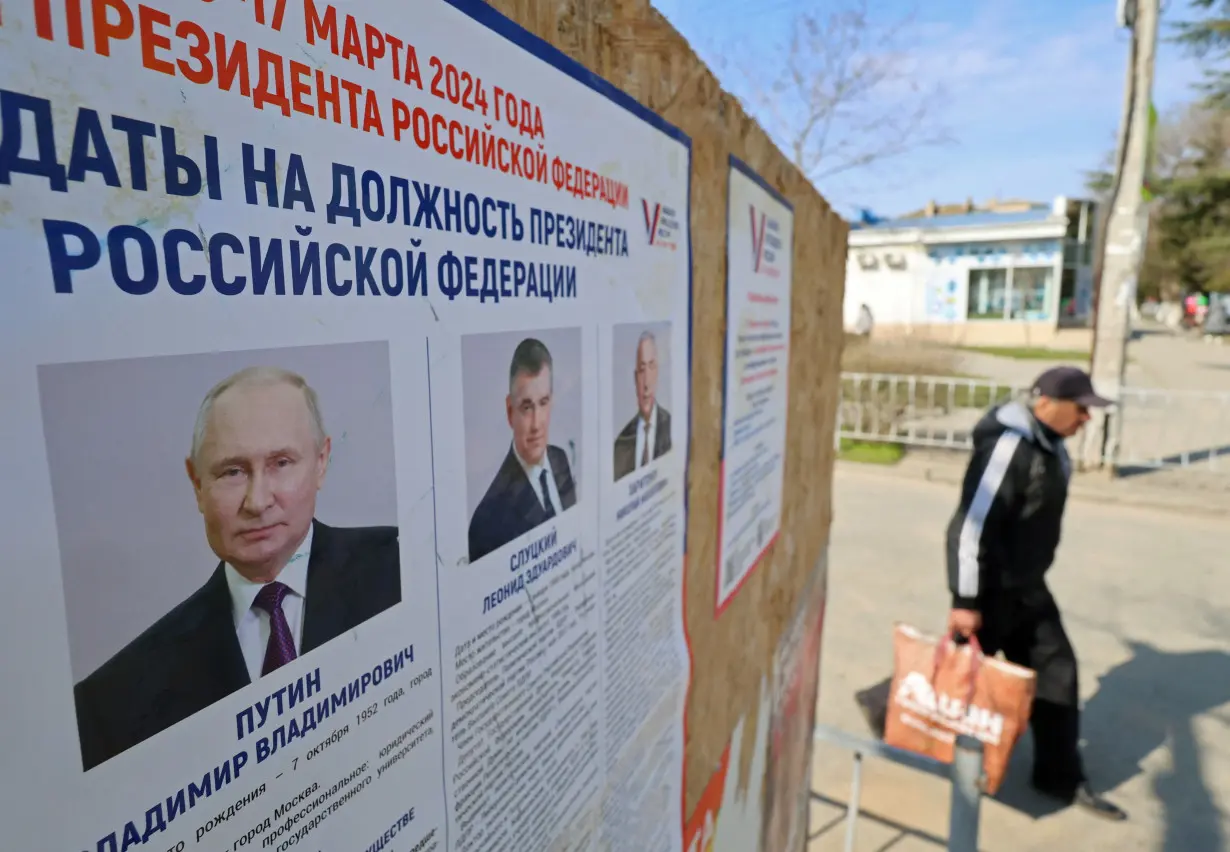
[640, 389]
[220, 516]
[522, 399]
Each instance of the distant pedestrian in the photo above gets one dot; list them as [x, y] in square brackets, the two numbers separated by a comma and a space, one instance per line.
[863, 325]
[1002, 540]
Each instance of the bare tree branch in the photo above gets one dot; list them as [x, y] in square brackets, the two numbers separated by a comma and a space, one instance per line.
[843, 96]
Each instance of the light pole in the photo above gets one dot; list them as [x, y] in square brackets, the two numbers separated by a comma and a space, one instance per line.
[1123, 238]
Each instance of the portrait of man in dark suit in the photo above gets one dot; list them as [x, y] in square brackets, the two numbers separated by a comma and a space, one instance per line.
[284, 585]
[647, 435]
[534, 483]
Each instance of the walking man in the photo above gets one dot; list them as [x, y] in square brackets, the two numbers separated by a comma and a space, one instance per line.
[1002, 540]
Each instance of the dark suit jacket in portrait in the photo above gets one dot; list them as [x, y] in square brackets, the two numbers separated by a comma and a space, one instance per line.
[191, 658]
[625, 443]
[511, 506]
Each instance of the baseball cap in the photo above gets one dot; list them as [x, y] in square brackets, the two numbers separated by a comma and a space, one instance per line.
[1071, 384]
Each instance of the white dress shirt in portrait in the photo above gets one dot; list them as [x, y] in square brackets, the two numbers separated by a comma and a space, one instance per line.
[534, 472]
[252, 623]
[646, 433]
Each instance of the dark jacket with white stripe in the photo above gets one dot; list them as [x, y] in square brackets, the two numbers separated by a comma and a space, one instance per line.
[1002, 539]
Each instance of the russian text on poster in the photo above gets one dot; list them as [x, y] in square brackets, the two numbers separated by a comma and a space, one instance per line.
[188, 50]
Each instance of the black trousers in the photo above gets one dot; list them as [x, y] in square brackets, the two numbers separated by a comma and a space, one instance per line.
[1026, 626]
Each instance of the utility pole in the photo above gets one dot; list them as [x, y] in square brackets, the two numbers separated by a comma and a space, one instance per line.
[1123, 241]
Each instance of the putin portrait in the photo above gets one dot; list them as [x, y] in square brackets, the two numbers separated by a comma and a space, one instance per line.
[284, 584]
[647, 435]
[534, 482]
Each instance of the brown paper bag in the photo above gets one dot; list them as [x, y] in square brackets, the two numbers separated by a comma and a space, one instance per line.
[941, 689]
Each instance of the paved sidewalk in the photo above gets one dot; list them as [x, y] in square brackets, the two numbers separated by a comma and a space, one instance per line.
[1145, 597]
[948, 467]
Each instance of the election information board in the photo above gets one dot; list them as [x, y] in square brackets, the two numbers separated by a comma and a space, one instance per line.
[344, 359]
[759, 245]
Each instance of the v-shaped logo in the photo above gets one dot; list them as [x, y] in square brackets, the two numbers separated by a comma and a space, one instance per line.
[758, 226]
[651, 218]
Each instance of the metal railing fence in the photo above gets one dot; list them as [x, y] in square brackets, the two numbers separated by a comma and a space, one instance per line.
[964, 775]
[1174, 430]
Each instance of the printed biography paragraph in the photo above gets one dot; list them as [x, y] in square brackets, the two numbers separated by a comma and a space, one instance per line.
[530, 671]
[643, 676]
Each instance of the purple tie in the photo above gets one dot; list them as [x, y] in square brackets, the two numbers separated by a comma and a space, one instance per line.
[281, 647]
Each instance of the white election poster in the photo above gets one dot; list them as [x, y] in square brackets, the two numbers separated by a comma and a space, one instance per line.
[344, 367]
[759, 245]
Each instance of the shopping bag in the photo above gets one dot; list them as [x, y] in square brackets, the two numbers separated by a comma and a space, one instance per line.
[941, 689]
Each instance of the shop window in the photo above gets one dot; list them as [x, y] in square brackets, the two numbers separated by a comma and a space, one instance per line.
[994, 294]
[1029, 289]
[988, 293]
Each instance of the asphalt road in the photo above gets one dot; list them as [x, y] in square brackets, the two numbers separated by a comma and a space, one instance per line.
[1146, 598]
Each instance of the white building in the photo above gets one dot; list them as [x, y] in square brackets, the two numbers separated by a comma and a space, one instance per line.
[1006, 274]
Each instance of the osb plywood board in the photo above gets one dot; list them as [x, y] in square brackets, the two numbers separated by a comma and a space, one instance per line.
[632, 46]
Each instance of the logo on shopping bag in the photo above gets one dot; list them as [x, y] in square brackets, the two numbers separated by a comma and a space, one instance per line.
[916, 694]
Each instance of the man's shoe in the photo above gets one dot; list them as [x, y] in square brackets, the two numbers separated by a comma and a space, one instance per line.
[1085, 798]
[1097, 805]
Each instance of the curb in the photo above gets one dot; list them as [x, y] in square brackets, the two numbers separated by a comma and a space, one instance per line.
[1176, 502]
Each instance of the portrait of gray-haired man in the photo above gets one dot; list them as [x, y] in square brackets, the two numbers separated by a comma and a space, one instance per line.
[284, 584]
[648, 434]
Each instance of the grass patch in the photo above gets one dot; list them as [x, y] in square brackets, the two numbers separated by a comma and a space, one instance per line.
[1032, 353]
[870, 452]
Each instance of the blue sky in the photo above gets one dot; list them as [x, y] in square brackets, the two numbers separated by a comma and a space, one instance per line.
[1032, 90]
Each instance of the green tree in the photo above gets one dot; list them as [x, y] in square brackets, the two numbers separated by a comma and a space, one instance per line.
[1194, 237]
[1188, 244]
[1208, 38]
[1193, 221]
